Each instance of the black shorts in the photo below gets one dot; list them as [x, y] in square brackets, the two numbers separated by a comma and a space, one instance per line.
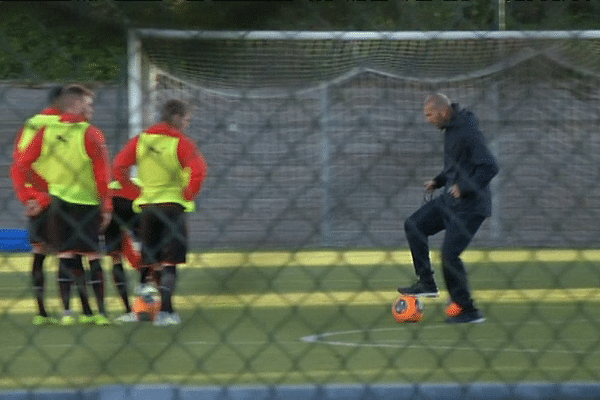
[38, 228]
[73, 227]
[163, 232]
[123, 218]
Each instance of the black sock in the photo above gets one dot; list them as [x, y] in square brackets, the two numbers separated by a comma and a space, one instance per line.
[97, 282]
[148, 275]
[167, 288]
[156, 276]
[78, 274]
[64, 283]
[38, 282]
[121, 284]
[144, 275]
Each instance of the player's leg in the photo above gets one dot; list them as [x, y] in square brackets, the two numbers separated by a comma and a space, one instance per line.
[117, 244]
[79, 225]
[70, 271]
[459, 233]
[64, 289]
[39, 238]
[144, 275]
[151, 232]
[60, 233]
[173, 252]
[120, 281]
[167, 314]
[89, 227]
[168, 282]
[148, 275]
[124, 219]
[128, 250]
[97, 281]
[75, 266]
[426, 221]
[38, 281]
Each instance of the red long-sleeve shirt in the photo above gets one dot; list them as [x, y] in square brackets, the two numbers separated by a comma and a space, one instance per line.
[187, 153]
[33, 177]
[95, 146]
[128, 194]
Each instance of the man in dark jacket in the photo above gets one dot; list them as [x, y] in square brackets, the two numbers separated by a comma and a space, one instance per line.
[460, 210]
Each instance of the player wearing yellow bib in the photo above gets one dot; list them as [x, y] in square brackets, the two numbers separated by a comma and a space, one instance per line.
[37, 226]
[170, 171]
[72, 157]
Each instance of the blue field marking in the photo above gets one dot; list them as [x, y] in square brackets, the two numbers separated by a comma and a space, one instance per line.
[445, 391]
[14, 241]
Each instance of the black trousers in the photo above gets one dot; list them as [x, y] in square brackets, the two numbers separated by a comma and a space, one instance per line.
[431, 218]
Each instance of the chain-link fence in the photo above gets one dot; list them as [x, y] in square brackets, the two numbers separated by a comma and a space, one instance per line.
[317, 151]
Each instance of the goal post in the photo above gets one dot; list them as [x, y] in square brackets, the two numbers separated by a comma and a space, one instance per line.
[317, 138]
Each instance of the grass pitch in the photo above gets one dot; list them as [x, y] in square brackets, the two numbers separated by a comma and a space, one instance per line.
[317, 317]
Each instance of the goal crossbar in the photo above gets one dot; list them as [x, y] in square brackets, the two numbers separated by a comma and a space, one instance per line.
[365, 35]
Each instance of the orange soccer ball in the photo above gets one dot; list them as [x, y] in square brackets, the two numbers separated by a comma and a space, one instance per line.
[407, 309]
[146, 307]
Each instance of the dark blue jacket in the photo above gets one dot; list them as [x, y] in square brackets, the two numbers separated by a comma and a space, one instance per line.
[468, 163]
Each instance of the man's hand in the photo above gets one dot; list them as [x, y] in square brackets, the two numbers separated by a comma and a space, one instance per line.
[430, 185]
[32, 208]
[455, 191]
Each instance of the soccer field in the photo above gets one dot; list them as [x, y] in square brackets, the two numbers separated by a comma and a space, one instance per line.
[318, 317]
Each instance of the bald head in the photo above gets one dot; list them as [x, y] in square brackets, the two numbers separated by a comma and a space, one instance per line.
[439, 101]
[437, 109]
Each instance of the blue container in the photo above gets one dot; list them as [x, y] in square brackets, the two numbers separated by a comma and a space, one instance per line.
[14, 240]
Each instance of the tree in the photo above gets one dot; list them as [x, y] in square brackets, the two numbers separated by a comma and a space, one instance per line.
[83, 40]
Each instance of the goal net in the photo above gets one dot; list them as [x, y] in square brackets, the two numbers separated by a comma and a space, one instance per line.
[317, 138]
